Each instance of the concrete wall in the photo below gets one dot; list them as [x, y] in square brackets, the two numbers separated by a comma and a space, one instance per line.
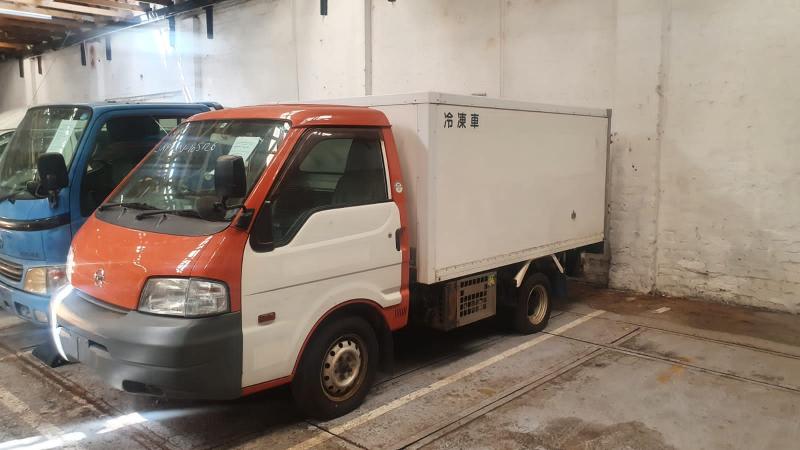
[448, 45]
[13, 89]
[729, 215]
[705, 183]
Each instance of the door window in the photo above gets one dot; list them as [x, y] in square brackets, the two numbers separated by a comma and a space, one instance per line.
[119, 146]
[332, 168]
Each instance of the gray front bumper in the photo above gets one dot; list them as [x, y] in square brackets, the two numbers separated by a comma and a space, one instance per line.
[153, 355]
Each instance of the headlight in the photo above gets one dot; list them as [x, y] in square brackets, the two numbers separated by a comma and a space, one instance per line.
[185, 297]
[44, 280]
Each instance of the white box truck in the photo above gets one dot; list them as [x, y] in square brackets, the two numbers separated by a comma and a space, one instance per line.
[492, 182]
[286, 243]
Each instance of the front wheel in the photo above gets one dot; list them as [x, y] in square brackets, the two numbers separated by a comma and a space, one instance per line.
[337, 368]
[532, 310]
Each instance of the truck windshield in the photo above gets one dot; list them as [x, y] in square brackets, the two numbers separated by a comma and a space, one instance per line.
[52, 129]
[5, 137]
[180, 171]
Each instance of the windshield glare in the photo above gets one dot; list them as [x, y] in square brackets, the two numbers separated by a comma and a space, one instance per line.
[5, 137]
[53, 129]
[180, 171]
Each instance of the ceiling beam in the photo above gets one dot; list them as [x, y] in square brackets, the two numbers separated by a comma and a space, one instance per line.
[37, 24]
[49, 12]
[12, 46]
[25, 43]
[7, 33]
[112, 4]
[109, 28]
[25, 33]
[80, 9]
[15, 35]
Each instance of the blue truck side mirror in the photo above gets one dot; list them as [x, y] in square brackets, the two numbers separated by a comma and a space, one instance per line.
[53, 175]
[52, 171]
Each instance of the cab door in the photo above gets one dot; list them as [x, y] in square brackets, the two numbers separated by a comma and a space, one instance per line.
[334, 225]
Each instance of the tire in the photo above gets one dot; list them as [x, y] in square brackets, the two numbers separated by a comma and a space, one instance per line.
[337, 368]
[534, 303]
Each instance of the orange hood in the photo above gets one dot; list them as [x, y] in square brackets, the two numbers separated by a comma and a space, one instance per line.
[125, 258]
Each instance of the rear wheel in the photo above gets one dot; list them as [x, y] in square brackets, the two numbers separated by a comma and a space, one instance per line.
[532, 310]
[337, 368]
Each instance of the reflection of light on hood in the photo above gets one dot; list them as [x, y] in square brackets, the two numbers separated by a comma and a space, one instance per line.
[188, 259]
[137, 261]
[58, 298]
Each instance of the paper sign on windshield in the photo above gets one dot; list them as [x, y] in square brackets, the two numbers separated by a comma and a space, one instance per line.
[62, 137]
[244, 145]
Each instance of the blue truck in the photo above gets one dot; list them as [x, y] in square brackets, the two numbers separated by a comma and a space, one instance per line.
[96, 146]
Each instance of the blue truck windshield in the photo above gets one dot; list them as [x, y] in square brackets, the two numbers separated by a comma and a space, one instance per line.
[52, 129]
[5, 137]
[180, 171]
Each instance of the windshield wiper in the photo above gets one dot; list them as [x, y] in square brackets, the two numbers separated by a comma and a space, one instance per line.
[175, 212]
[12, 197]
[131, 205]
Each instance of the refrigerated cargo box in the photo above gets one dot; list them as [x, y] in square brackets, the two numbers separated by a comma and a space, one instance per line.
[491, 182]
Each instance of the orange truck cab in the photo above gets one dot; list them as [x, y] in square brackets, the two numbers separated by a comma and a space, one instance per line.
[261, 246]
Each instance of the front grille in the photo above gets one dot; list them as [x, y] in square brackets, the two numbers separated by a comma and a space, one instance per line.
[99, 303]
[10, 270]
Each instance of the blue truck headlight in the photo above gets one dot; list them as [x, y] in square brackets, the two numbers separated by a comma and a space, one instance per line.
[44, 280]
[184, 297]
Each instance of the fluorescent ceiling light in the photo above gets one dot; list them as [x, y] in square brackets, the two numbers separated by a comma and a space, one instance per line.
[31, 15]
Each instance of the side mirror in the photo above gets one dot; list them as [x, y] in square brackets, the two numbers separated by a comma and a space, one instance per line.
[230, 178]
[261, 239]
[52, 172]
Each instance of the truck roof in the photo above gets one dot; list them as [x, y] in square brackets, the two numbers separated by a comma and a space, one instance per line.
[303, 115]
[105, 106]
[481, 101]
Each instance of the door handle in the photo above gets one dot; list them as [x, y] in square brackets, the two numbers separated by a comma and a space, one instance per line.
[398, 236]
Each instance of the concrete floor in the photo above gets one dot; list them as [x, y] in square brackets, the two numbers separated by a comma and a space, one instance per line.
[613, 370]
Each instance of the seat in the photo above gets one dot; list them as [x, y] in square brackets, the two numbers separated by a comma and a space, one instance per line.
[131, 139]
[126, 142]
[363, 180]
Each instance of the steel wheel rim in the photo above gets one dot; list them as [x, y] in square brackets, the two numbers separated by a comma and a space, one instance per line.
[343, 368]
[537, 304]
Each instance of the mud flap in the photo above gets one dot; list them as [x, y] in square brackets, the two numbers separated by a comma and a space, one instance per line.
[558, 285]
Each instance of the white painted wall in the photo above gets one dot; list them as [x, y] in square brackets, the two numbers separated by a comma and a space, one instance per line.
[448, 45]
[330, 49]
[571, 41]
[705, 181]
[12, 88]
[729, 216]
[252, 57]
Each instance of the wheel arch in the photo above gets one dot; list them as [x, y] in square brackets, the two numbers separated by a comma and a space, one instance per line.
[372, 313]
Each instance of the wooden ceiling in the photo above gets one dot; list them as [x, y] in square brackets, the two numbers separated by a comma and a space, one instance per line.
[32, 26]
